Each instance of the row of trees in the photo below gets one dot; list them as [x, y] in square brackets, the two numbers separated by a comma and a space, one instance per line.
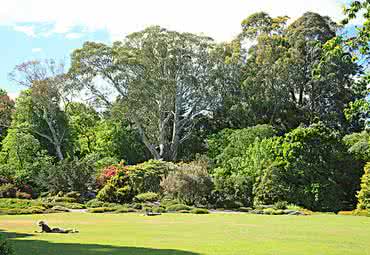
[171, 96]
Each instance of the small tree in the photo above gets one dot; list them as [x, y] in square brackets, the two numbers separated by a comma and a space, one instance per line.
[364, 194]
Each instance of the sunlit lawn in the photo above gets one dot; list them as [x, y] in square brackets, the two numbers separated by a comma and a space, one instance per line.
[185, 234]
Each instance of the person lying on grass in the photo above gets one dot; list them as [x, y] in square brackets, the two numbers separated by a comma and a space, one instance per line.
[46, 229]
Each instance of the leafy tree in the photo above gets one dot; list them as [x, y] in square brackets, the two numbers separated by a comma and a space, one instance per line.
[359, 42]
[82, 121]
[358, 145]
[167, 79]
[23, 158]
[6, 109]
[236, 158]
[312, 169]
[118, 139]
[230, 144]
[47, 83]
[282, 84]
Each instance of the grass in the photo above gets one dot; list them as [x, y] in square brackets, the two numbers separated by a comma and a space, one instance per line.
[189, 234]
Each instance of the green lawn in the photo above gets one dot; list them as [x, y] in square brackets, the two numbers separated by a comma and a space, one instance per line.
[184, 234]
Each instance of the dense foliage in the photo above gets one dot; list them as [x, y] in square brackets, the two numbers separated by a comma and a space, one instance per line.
[277, 115]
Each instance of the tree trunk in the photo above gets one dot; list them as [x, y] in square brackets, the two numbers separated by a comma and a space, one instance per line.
[58, 151]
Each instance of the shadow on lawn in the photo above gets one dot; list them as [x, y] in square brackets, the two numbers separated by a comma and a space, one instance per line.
[38, 247]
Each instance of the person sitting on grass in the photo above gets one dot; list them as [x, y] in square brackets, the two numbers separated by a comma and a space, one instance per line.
[46, 229]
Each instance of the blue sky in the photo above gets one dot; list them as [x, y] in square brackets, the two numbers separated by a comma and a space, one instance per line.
[17, 47]
[38, 29]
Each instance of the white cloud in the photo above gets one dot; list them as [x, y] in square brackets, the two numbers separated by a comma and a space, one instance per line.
[36, 50]
[72, 36]
[217, 18]
[28, 30]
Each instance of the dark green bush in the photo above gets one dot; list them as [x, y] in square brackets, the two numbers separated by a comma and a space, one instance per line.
[101, 209]
[178, 207]
[199, 211]
[147, 197]
[68, 175]
[8, 190]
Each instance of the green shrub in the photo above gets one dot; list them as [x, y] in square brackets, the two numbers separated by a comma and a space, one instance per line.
[66, 205]
[364, 194]
[280, 205]
[59, 208]
[64, 200]
[361, 213]
[147, 209]
[73, 205]
[294, 207]
[121, 210]
[68, 175]
[278, 212]
[18, 211]
[117, 190]
[14, 203]
[245, 209]
[133, 180]
[125, 210]
[158, 209]
[178, 207]
[168, 202]
[269, 211]
[147, 197]
[101, 209]
[8, 190]
[5, 247]
[199, 211]
[190, 183]
[73, 194]
[94, 203]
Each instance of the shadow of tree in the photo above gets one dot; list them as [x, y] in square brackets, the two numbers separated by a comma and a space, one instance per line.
[38, 247]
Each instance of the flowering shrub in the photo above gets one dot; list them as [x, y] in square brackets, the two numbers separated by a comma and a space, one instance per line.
[108, 172]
